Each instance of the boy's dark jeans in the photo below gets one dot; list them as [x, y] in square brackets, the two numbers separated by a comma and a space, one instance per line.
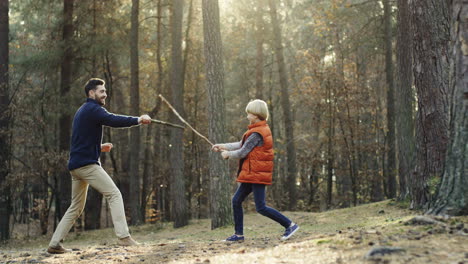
[259, 196]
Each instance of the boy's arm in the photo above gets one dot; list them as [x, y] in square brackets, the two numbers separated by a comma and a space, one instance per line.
[233, 146]
[227, 146]
[254, 140]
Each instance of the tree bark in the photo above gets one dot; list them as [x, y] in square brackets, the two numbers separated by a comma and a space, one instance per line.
[330, 145]
[378, 184]
[404, 99]
[135, 179]
[259, 45]
[159, 153]
[147, 171]
[93, 38]
[151, 158]
[179, 203]
[430, 50]
[452, 196]
[92, 214]
[220, 184]
[390, 168]
[344, 182]
[187, 41]
[158, 47]
[5, 208]
[64, 180]
[286, 105]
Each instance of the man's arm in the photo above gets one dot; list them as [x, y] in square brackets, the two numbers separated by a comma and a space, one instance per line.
[105, 118]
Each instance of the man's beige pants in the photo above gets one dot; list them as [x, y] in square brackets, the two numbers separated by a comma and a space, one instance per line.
[97, 177]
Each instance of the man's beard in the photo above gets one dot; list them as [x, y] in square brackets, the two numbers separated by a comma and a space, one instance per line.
[101, 102]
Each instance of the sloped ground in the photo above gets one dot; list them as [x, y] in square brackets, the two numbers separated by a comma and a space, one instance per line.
[338, 236]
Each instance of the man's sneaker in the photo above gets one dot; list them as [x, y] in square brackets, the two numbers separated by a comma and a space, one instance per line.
[58, 250]
[127, 241]
[235, 238]
[290, 231]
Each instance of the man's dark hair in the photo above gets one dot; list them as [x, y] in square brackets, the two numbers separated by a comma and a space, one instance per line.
[92, 84]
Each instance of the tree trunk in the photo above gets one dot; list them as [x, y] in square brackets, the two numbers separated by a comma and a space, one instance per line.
[390, 169]
[259, 44]
[405, 99]
[187, 41]
[278, 194]
[64, 191]
[452, 196]
[158, 157]
[351, 180]
[344, 181]
[288, 117]
[5, 208]
[220, 183]
[330, 145]
[92, 216]
[179, 203]
[202, 177]
[158, 47]
[431, 66]
[150, 160]
[147, 171]
[93, 206]
[135, 179]
[93, 37]
[315, 169]
[377, 188]
[189, 176]
[93, 195]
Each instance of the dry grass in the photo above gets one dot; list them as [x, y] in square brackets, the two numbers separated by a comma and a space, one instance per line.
[338, 236]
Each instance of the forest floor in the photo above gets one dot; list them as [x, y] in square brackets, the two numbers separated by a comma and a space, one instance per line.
[336, 236]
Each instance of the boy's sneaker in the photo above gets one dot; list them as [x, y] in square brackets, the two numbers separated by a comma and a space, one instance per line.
[235, 238]
[290, 231]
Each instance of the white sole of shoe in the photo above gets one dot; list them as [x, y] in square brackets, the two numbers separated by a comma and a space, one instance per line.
[290, 235]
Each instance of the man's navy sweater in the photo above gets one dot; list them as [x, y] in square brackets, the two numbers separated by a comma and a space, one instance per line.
[87, 125]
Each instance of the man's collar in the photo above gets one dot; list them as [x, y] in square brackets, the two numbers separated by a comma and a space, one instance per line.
[90, 100]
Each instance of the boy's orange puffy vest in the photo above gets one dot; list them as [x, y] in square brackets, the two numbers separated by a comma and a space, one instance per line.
[257, 167]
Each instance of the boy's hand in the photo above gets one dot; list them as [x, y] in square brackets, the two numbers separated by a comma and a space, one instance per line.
[106, 147]
[144, 119]
[218, 147]
[225, 155]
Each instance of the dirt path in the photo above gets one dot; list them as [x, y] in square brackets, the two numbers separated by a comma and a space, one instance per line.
[339, 236]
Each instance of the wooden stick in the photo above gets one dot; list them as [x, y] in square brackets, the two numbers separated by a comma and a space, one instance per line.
[166, 123]
[183, 120]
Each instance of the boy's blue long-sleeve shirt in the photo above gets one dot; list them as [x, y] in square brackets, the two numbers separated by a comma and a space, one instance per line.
[87, 125]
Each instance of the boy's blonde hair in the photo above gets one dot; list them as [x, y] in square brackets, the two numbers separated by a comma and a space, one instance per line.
[259, 108]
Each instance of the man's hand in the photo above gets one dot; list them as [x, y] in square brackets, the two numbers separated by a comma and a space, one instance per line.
[106, 147]
[144, 119]
[225, 155]
[218, 147]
